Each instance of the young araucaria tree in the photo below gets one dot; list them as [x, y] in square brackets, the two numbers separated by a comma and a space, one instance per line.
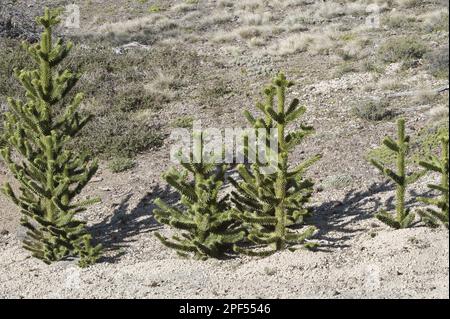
[270, 196]
[49, 174]
[404, 217]
[204, 219]
[433, 216]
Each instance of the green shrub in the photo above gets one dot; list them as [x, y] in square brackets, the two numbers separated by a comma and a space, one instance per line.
[119, 135]
[403, 217]
[154, 9]
[269, 203]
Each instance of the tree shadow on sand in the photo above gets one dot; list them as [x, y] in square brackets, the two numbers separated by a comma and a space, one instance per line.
[116, 232]
[336, 216]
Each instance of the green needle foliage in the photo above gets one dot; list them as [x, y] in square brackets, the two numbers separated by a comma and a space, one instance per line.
[50, 176]
[269, 202]
[404, 217]
[207, 226]
[431, 216]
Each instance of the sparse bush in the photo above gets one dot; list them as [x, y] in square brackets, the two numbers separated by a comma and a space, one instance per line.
[440, 212]
[121, 164]
[337, 182]
[154, 9]
[118, 134]
[406, 49]
[399, 20]
[404, 217]
[121, 88]
[391, 84]
[372, 66]
[345, 68]
[435, 21]
[373, 110]
[437, 62]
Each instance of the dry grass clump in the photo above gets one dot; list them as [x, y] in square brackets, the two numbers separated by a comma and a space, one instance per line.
[391, 84]
[297, 18]
[315, 43]
[255, 19]
[184, 7]
[323, 44]
[161, 84]
[402, 49]
[264, 31]
[329, 10]
[373, 110]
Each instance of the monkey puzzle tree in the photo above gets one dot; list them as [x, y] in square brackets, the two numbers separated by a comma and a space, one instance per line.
[404, 217]
[205, 220]
[432, 216]
[50, 175]
[270, 197]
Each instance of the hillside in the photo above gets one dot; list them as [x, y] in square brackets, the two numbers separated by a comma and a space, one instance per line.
[151, 66]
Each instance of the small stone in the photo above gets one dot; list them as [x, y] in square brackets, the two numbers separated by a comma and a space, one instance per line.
[4, 232]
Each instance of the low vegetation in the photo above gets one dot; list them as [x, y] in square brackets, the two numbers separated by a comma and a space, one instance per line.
[136, 72]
